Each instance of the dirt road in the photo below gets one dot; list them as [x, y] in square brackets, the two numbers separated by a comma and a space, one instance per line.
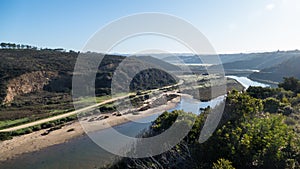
[60, 116]
[73, 112]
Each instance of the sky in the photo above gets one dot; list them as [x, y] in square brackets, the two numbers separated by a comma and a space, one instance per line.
[231, 26]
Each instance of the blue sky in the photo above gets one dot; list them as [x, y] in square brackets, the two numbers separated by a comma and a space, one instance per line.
[230, 25]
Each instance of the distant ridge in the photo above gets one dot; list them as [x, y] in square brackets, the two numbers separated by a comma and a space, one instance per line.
[288, 68]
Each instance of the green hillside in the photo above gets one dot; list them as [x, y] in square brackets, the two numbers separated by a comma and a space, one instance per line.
[37, 83]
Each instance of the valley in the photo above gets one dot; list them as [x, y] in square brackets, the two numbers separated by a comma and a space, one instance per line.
[37, 113]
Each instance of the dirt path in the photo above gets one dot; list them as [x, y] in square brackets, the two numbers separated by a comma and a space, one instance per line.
[72, 112]
[60, 116]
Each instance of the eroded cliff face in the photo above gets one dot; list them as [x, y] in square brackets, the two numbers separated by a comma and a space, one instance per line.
[27, 83]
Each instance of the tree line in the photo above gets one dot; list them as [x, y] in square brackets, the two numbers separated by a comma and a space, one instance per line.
[16, 46]
[4, 45]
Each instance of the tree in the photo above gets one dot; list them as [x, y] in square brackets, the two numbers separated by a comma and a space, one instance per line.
[290, 83]
[261, 92]
[13, 46]
[256, 143]
[239, 106]
[3, 45]
[271, 105]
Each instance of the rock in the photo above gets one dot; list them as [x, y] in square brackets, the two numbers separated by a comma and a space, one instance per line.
[27, 83]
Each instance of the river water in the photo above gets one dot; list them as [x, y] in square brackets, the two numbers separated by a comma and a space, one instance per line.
[82, 152]
[246, 82]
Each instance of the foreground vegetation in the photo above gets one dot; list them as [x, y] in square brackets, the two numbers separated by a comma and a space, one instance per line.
[51, 126]
[259, 129]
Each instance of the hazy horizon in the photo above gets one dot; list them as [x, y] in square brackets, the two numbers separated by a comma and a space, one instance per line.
[231, 26]
[159, 53]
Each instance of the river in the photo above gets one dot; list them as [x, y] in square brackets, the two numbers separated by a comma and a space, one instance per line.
[82, 152]
[246, 82]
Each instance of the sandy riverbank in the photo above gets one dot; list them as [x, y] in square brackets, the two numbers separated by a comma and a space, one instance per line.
[35, 141]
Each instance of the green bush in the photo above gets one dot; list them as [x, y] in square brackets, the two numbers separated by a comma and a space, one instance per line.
[271, 105]
[222, 164]
[261, 92]
[5, 136]
[290, 83]
[36, 128]
[27, 131]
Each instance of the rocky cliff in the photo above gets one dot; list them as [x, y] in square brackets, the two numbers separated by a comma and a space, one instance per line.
[27, 83]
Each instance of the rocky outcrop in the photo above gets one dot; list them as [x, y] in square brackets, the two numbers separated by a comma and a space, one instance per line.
[27, 83]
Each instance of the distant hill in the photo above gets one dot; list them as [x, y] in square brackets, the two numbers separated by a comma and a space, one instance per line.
[259, 61]
[158, 61]
[276, 73]
[255, 61]
[272, 66]
[30, 70]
